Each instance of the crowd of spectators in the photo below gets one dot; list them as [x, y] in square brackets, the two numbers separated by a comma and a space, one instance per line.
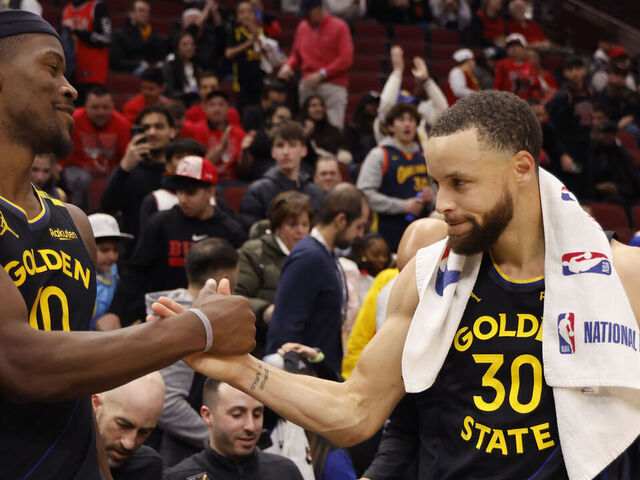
[221, 108]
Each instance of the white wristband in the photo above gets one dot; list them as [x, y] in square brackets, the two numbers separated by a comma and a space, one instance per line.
[207, 327]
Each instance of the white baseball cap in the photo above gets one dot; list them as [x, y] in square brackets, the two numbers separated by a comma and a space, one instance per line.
[516, 38]
[104, 225]
[462, 55]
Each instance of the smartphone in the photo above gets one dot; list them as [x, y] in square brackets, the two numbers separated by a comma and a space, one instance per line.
[138, 129]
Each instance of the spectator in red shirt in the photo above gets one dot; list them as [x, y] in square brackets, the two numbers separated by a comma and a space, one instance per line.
[531, 31]
[548, 83]
[151, 88]
[207, 83]
[100, 138]
[516, 73]
[323, 49]
[488, 27]
[227, 144]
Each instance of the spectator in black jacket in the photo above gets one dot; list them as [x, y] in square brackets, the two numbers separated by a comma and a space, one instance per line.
[135, 47]
[182, 69]
[235, 421]
[158, 261]
[140, 169]
[288, 150]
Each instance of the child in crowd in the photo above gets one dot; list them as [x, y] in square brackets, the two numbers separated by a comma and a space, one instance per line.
[107, 234]
[372, 255]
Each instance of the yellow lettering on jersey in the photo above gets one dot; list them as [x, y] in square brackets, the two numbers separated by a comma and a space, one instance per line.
[487, 327]
[40, 261]
[503, 327]
[543, 438]
[406, 171]
[542, 296]
[509, 444]
[518, 433]
[475, 297]
[497, 442]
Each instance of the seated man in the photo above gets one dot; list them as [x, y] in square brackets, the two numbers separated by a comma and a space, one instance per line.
[100, 139]
[152, 84]
[135, 47]
[182, 430]
[126, 416]
[226, 145]
[531, 31]
[288, 150]
[234, 420]
[327, 174]
[207, 83]
[158, 261]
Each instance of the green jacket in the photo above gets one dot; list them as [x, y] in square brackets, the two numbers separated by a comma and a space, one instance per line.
[260, 264]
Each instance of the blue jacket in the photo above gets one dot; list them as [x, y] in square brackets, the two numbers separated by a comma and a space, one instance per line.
[308, 302]
[105, 288]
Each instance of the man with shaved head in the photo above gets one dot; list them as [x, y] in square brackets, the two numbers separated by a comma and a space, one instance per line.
[126, 416]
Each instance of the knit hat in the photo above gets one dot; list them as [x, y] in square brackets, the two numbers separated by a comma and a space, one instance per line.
[17, 22]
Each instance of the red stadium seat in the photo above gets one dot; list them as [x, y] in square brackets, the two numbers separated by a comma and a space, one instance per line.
[408, 32]
[366, 64]
[52, 14]
[370, 30]
[445, 36]
[166, 9]
[118, 6]
[413, 49]
[363, 82]
[441, 52]
[123, 83]
[288, 21]
[369, 46]
[233, 195]
[610, 216]
[635, 217]
[161, 26]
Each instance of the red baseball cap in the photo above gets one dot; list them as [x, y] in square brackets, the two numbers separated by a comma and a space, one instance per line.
[197, 168]
[618, 51]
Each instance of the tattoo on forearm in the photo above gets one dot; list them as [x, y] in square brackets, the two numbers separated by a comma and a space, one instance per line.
[266, 377]
[256, 380]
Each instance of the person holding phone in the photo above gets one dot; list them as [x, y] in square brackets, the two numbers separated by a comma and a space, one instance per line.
[141, 167]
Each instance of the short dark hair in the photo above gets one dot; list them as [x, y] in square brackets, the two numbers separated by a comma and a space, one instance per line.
[218, 93]
[274, 86]
[132, 5]
[503, 121]
[161, 109]
[343, 198]
[207, 74]
[153, 74]
[176, 109]
[207, 257]
[184, 146]
[98, 91]
[289, 130]
[289, 204]
[210, 392]
[400, 109]
[9, 46]
[187, 184]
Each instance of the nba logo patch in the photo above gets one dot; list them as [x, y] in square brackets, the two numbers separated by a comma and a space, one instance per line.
[566, 195]
[444, 276]
[566, 333]
[585, 262]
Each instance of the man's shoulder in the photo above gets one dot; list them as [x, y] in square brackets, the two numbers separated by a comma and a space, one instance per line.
[145, 464]
[276, 465]
[191, 468]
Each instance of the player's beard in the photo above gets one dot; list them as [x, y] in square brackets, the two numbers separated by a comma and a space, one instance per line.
[42, 137]
[480, 238]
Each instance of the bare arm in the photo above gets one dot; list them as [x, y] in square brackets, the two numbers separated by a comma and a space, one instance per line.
[345, 413]
[627, 263]
[81, 363]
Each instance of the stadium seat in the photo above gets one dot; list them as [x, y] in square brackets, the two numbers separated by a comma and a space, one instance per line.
[363, 82]
[161, 26]
[441, 52]
[635, 217]
[288, 21]
[609, 215]
[408, 32]
[412, 49]
[366, 64]
[233, 195]
[445, 36]
[166, 9]
[123, 83]
[370, 30]
[370, 46]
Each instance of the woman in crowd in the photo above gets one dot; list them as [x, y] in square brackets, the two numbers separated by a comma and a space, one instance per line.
[261, 259]
[181, 70]
[360, 136]
[321, 134]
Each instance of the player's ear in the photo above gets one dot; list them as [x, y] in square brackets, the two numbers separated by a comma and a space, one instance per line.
[524, 167]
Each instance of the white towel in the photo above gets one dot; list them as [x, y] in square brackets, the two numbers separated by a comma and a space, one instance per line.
[590, 339]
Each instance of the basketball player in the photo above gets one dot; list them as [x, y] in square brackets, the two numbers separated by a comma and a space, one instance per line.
[48, 370]
[484, 153]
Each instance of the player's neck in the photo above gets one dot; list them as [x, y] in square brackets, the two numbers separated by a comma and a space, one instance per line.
[15, 181]
[519, 252]
[328, 233]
